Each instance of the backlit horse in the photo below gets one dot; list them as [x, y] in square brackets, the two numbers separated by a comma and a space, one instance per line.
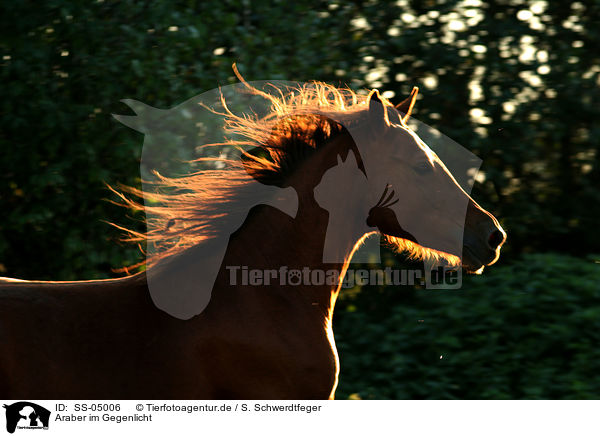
[106, 339]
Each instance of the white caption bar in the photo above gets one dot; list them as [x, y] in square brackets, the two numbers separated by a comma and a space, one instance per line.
[299, 417]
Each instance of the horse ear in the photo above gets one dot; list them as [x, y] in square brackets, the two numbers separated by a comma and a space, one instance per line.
[407, 105]
[376, 108]
[145, 116]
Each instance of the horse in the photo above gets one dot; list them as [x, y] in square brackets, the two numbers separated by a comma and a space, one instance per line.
[256, 339]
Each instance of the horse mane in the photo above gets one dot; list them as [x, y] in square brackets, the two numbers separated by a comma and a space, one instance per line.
[299, 122]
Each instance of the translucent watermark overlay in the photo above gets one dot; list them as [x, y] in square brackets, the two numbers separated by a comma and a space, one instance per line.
[355, 173]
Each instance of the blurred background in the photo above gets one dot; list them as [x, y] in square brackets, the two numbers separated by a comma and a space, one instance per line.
[515, 82]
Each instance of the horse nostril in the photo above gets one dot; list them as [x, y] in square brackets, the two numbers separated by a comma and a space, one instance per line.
[496, 239]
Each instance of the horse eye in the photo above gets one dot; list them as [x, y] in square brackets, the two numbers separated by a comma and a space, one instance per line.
[423, 168]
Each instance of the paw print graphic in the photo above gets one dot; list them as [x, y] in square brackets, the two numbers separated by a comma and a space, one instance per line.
[294, 277]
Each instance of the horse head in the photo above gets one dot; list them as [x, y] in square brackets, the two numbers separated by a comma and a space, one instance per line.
[421, 207]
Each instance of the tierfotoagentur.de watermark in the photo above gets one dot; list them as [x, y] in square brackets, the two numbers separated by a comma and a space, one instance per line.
[435, 278]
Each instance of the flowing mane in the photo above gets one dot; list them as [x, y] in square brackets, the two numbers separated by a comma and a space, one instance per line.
[271, 147]
[185, 209]
[247, 252]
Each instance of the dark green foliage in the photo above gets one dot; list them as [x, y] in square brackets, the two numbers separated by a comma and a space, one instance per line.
[527, 330]
[66, 64]
[64, 68]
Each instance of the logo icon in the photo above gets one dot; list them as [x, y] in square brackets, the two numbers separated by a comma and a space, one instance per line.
[26, 415]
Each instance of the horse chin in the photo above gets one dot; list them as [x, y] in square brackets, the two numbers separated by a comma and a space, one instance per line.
[471, 263]
[472, 270]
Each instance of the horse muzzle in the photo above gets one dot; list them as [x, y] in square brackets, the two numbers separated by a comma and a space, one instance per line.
[482, 240]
